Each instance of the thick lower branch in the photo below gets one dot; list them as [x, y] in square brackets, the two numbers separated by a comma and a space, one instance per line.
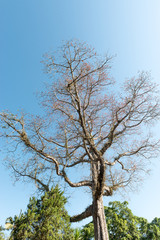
[87, 213]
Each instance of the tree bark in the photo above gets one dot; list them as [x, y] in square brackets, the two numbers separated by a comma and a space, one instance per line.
[99, 221]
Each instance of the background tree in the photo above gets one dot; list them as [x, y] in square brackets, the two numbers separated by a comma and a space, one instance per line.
[121, 221]
[77, 234]
[123, 224]
[45, 218]
[2, 237]
[88, 231]
[151, 230]
[89, 126]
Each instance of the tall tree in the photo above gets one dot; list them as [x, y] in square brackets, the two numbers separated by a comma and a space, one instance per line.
[87, 126]
[45, 219]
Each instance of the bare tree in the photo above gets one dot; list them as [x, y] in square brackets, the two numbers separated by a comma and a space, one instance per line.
[87, 125]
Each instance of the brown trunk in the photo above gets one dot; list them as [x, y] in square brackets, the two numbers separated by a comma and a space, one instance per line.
[99, 221]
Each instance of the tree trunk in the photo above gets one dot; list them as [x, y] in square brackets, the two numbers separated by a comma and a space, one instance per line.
[99, 221]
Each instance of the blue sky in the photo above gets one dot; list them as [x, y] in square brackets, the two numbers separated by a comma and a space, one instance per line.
[128, 29]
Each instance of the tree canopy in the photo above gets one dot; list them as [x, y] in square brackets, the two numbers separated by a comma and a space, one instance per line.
[45, 219]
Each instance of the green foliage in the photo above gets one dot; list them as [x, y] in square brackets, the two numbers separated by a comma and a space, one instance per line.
[45, 219]
[1, 233]
[88, 232]
[151, 230]
[123, 224]
[77, 234]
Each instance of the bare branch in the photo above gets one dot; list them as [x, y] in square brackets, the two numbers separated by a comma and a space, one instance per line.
[87, 213]
[79, 184]
[44, 186]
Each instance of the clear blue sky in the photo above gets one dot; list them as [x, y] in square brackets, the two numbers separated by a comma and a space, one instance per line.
[128, 29]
